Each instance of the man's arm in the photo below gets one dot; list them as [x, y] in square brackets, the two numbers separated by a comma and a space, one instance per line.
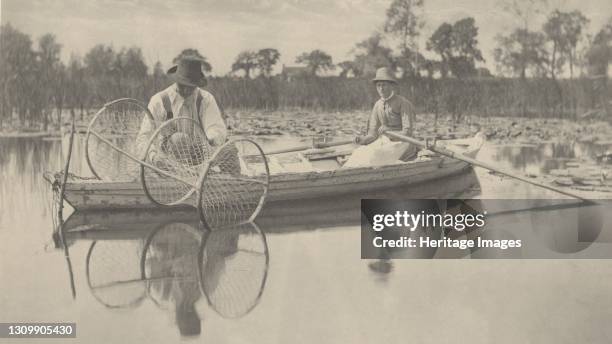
[147, 127]
[408, 118]
[210, 116]
[373, 126]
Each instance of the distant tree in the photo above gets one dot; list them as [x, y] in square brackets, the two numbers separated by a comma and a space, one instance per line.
[348, 67]
[266, 59]
[316, 60]
[158, 75]
[99, 61]
[206, 67]
[17, 72]
[575, 31]
[598, 57]
[76, 85]
[564, 30]
[457, 46]
[465, 48]
[521, 52]
[131, 62]
[404, 23]
[554, 31]
[371, 54]
[245, 61]
[130, 72]
[599, 54]
[52, 76]
[99, 64]
[441, 42]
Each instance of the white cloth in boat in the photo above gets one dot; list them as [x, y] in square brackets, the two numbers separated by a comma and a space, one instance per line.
[381, 152]
[210, 116]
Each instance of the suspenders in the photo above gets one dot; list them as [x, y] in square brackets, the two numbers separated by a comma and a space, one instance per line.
[168, 106]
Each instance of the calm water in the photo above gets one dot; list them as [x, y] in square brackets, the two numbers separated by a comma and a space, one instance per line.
[317, 288]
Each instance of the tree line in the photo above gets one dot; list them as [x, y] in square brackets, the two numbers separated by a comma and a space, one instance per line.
[37, 86]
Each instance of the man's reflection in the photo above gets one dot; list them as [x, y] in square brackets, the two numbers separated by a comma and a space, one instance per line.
[170, 265]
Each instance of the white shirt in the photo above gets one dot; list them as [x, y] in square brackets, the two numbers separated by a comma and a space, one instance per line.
[209, 116]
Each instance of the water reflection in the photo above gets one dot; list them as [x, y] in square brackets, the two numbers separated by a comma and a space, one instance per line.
[22, 189]
[175, 266]
[307, 259]
[547, 156]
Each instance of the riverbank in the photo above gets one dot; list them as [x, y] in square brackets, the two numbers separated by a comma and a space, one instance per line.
[30, 135]
[301, 123]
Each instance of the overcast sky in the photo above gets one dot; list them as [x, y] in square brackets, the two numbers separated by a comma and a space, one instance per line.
[220, 29]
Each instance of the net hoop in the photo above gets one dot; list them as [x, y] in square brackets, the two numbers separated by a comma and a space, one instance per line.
[207, 172]
[151, 145]
[133, 303]
[206, 241]
[93, 121]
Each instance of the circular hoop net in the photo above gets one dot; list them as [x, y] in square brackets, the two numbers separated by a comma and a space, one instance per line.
[113, 273]
[234, 185]
[233, 269]
[178, 148]
[120, 125]
[169, 265]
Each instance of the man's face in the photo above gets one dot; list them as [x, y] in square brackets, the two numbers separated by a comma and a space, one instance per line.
[384, 88]
[185, 90]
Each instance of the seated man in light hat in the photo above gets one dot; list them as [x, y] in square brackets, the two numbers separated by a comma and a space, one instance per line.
[391, 112]
[185, 98]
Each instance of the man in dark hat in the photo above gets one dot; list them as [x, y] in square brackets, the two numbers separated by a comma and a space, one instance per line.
[185, 98]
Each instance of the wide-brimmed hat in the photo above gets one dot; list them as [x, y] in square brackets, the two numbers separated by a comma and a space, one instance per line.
[384, 74]
[188, 71]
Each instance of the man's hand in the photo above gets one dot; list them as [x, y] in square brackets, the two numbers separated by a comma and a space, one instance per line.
[382, 129]
[217, 140]
[406, 132]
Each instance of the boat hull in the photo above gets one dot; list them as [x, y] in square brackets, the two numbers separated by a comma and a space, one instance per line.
[97, 194]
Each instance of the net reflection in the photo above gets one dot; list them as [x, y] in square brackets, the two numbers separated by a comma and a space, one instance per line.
[177, 266]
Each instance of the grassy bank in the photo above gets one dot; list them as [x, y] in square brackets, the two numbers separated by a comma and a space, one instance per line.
[484, 97]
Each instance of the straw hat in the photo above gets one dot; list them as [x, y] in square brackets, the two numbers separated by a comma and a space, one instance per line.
[384, 74]
[188, 72]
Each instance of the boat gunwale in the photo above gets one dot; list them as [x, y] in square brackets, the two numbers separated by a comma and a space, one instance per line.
[75, 184]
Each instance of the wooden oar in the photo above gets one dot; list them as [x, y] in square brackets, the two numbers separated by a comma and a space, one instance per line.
[459, 156]
[317, 145]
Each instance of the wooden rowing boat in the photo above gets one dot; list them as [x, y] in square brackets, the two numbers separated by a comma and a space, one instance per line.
[325, 178]
[284, 217]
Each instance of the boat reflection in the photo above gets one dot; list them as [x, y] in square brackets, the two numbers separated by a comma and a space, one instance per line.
[169, 259]
[174, 266]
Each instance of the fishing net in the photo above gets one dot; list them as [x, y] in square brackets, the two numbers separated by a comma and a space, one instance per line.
[120, 127]
[176, 161]
[178, 150]
[233, 269]
[169, 265]
[234, 184]
[113, 273]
